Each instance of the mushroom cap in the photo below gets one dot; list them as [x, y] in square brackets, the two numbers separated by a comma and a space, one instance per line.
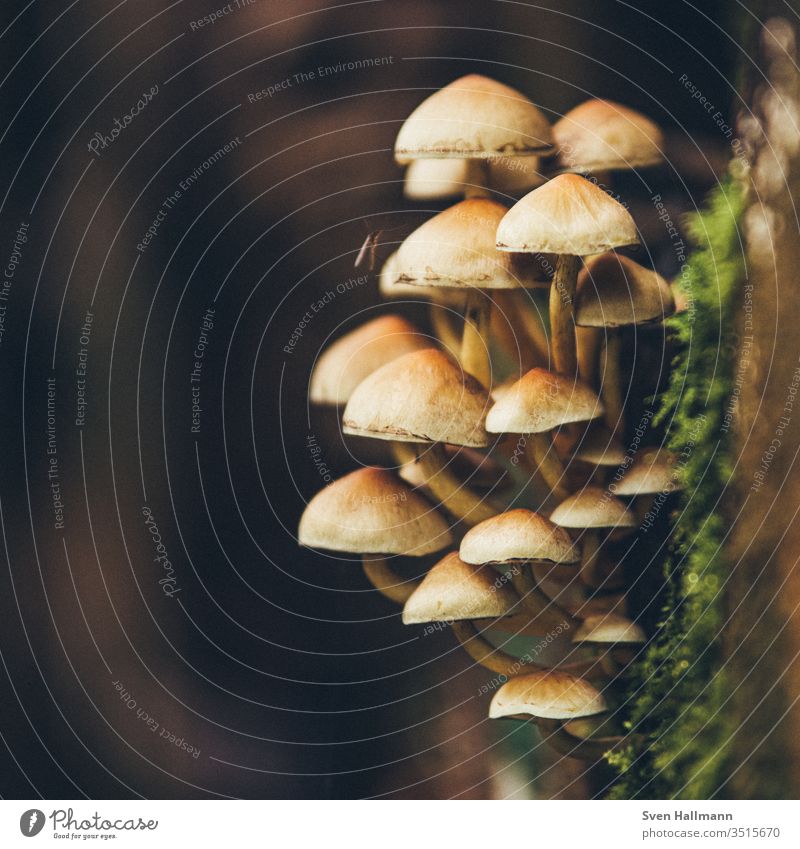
[423, 396]
[650, 475]
[540, 401]
[600, 447]
[390, 286]
[608, 628]
[593, 507]
[454, 591]
[548, 694]
[517, 535]
[456, 249]
[354, 356]
[614, 291]
[567, 215]
[370, 511]
[600, 135]
[473, 117]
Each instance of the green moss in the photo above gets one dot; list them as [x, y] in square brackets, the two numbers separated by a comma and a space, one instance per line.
[676, 693]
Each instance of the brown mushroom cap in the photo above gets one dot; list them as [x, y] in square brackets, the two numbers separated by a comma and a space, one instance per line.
[650, 475]
[348, 360]
[420, 397]
[540, 401]
[593, 507]
[370, 511]
[600, 447]
[548, 694]
[473, 117]
[517, 535]
[456, 249]
[567, 215]
[600, 135]
[614, 291]
[453, 591]
[608, 628]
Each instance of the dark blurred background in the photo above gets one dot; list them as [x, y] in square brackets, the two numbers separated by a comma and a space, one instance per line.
[291, 677]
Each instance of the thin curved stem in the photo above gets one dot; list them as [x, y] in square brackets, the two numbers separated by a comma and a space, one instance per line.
[588, 341]
[386, 581]
[562, 319]
[612, 388]
[454, 496]
[542, 453]
[533, 598]
[481, 650]
[443, 328]
[590, 548]
[475, 341]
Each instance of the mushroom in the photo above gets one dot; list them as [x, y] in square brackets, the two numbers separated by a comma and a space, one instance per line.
[456, 250]
[608, 630]
[477, 119]
[589, 510]
[373, 513]
[614, 291]
[519, 538]
[424, 397]
[598, 136]
[652, 475]
[354, 356]
[457, 592]
[550, 698]
[571, 217]
[535, 405]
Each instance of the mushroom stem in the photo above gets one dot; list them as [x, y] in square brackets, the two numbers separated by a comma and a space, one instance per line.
[443, 328]
[478, 179]
[526, 326]
[481, 650]
[546, 611]
[455, 496]
[542, 454]
[557, 737]
[386, 581]
[562, 319]
[474, 343]
[589, 550]
[612, 388]
[588, 341]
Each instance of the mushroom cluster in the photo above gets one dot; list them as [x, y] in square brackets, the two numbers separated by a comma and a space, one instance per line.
[518, 475]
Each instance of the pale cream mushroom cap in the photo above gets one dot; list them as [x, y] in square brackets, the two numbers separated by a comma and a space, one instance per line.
[548, 694]
[650, 475]
[473, 117]
[517, 535]
[348, 360]
[454, 591]
[593, 507]
[614, 291]
[600, 447]
[600, 135]
[540, 401]
[370, 511]
[608, 628]
[424, 396]
[567, 215]
[456, 250]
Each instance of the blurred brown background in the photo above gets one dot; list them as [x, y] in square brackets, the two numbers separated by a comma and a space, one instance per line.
[291, 677]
